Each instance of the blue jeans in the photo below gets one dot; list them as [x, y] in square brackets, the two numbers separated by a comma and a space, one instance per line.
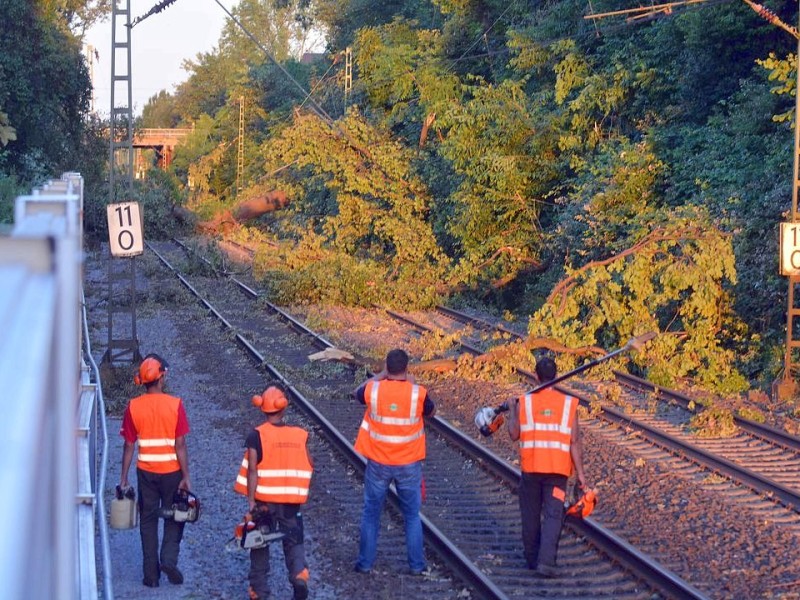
[408, 481]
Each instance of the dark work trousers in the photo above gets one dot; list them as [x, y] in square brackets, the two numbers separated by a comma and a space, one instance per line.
[156, 490]
[290, 521]
[542, 516]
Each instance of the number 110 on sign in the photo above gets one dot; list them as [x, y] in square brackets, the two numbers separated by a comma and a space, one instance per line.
[125, 235]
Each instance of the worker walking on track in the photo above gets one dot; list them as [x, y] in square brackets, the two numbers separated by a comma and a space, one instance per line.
[392, 438]
[546, 425]
[158, 421]
[275, 475]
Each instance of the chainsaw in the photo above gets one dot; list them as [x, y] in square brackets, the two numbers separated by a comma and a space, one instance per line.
[583, 506]
[488, 419]
[185, 508]
[257, 530]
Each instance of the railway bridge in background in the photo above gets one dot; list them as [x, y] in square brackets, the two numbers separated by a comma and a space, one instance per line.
[162, 141]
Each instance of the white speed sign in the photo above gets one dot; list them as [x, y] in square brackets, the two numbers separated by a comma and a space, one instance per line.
[125, 234]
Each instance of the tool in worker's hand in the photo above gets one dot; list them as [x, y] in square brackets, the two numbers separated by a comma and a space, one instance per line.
[583, 506]
[488, 419]
[185, 508]
[257, 530]
[128, 492]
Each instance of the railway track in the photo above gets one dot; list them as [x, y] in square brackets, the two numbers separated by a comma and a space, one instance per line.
[755, 470]
[470, 516]
[760, 457]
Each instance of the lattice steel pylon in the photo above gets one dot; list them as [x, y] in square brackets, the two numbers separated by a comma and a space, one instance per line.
[123, 342]
[240, 156]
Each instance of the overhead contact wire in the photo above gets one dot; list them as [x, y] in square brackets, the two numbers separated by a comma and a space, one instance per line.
[315, 105]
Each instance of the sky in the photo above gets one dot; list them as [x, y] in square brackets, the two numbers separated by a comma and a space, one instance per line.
[159, 45]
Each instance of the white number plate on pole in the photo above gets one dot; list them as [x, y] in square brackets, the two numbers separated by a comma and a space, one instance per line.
[125, 234]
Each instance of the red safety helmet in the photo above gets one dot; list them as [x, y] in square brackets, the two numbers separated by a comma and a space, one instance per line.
[153, 367]
[272, 400]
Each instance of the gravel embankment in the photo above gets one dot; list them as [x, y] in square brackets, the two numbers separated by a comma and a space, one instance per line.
[219, 412]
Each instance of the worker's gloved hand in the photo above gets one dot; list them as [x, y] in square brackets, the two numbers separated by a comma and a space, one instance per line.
[127, 492]
[260, 515]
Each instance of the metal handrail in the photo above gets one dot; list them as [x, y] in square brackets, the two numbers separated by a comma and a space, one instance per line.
[105, 549]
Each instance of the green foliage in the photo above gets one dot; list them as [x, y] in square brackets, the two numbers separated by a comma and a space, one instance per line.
[380, 208]
[9, 189]
[506, 163]
[160, 112]
[670, 281]
[195, 146]
[400, 67]
[7, 132]
[158, 193]
[76, 15]
[752, 414]
[342, 19]
[44, 91]
[713, 422]
[511, 148]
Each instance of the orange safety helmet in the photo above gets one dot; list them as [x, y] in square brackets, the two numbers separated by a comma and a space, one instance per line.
[272, 400]
[152, 369]
[584, 506]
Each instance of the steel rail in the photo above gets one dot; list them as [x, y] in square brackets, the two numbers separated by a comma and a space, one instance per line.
[707, 460]
[765, 432]
[760, 430]
[449, 552]
[648, 569]
[643, 566]
[254, 294]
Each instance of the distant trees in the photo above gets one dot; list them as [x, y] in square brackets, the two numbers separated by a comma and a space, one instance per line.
[160, 111]
[44, 86]
[595, 177]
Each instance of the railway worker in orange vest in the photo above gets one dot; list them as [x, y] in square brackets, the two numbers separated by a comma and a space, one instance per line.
[546, 425]
[275, 475]
[392, 438]
[158, 421]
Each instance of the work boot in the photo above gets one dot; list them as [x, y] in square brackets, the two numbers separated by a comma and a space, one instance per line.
[173, 574]
[300, 585]
[252, 595]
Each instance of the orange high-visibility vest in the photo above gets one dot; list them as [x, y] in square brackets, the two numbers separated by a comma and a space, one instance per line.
[545, 432]
[392, 432]
[284, 473]
[155, 417]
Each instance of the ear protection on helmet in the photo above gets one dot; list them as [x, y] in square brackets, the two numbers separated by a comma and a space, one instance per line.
[271, 401]
[152, 369]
